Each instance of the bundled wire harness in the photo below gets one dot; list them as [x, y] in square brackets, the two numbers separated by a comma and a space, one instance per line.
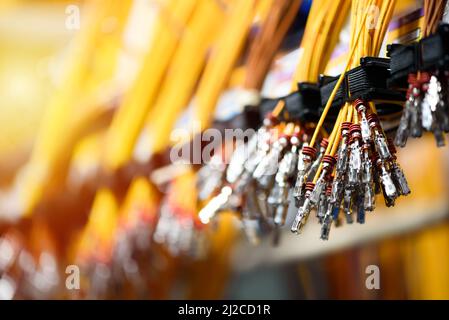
[424, 66]
[260, 173]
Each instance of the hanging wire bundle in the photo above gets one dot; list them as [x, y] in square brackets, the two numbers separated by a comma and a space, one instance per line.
[426, 108]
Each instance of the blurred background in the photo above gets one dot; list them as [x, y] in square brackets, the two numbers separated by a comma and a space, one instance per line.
[84, 174]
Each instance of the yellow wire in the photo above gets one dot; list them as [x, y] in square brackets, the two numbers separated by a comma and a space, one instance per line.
[323, 26]
[131, 116]
[185, 71]
[355, 115]
[225, 54]
[279, 107]
[340, 80]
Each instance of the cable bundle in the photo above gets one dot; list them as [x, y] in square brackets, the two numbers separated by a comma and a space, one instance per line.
[357, 160]
[426, 108]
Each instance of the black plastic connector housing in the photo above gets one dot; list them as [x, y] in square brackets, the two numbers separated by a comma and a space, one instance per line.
[367, 82]
[301, 105]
